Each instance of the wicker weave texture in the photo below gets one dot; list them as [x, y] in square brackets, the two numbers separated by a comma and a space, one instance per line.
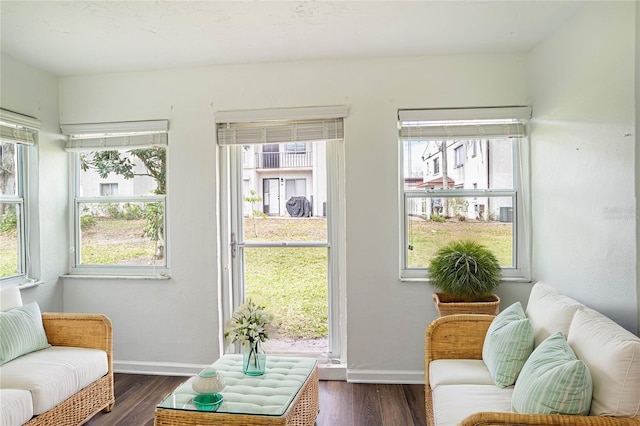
[448, 306]
[462, 337]
[85, 331]
[302, 412]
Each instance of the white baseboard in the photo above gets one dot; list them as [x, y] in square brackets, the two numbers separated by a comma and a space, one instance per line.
[325, 372]
[405, 377]
[157, 368]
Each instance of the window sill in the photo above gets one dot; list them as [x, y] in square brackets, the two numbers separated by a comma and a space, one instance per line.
[118, 277]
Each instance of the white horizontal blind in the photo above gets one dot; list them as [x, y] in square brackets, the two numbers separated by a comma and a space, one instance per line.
[18, 128]
[111, 136]
[463, 123]
[280, 125]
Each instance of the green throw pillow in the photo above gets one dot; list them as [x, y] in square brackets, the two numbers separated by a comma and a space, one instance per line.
[553, 381]
[507, 345]
[21, 332]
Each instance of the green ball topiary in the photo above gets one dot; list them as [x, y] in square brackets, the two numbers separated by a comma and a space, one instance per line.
[465, 269]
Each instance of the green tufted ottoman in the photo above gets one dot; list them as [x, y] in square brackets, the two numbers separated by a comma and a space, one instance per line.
[287, 394]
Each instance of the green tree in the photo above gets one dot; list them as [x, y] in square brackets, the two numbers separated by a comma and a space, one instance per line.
[155, 166]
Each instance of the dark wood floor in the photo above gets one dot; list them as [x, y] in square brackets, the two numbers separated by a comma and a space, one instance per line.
[341, 403]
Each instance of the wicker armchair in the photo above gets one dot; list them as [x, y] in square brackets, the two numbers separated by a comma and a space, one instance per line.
[462, 337]
[86, 331]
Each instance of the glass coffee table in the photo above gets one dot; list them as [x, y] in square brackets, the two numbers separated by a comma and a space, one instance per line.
[287, 394]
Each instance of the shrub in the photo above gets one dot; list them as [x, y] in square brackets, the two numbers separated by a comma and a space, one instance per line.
[436, 218]
[8, 221]
[87, 221]
[465, 269]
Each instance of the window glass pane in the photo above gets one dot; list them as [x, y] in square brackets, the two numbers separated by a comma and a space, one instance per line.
[433, 222]
[284, 193]
[128, 172]
[9, 240]
[122, 233]
[292, 284]
[8, 169]
[468, 164]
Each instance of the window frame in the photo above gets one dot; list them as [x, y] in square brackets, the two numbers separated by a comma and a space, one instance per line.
[85, 138]
[20, 199]
[22, 131]
[230, 194]
[521, 269]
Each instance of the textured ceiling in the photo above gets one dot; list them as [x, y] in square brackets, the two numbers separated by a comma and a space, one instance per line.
[89, 37]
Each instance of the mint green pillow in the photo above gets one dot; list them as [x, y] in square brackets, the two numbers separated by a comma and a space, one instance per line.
[21, 332]
[553, 381]
[507, 345]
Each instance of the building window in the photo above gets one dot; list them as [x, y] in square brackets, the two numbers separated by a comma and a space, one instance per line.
[107, 189]
[436, 166]
[458, 154]
[18, 133]
[119, 197]
[485, 200]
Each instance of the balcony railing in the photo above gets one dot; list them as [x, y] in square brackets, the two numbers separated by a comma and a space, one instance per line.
[283, 160]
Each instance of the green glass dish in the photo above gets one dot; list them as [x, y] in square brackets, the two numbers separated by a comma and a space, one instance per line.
[207, 401]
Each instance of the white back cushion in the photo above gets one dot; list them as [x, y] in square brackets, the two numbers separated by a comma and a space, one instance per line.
[613, 357]
[549, 311]
[10, 298]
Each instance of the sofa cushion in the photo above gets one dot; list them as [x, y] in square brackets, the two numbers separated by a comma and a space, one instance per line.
[10, 297]
[549, 311]
[613, 357]
[453, 403]
[507, 345]
[21, 332]
[458, 372]
[16, 407]
[54, 374]
[553, 381]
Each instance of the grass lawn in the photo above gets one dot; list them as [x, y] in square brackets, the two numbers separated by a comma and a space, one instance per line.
[290, 282]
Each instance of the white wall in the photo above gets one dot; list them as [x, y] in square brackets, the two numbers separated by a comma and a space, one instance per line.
[581, 81]
[583, 165]
[29, 91]
[176, 320]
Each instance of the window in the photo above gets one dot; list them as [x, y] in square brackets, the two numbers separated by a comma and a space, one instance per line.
[17, 134]
[281, 224]
[458, 153]
[486, 200]
[107, 189]
[119, 197]
[436, 166]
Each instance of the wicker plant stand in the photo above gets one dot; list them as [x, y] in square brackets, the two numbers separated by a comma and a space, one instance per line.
[448, 305]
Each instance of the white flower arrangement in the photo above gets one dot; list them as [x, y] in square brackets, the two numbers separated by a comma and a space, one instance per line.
[250, 323]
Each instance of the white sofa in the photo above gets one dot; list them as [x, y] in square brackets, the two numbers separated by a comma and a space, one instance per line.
[461, 390]
[56, 369]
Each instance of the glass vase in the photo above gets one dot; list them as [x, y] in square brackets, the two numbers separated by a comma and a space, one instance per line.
[254, 360]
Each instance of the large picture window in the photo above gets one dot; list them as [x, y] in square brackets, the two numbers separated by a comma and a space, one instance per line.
[119, 197]
[17, 135]
[486, 200]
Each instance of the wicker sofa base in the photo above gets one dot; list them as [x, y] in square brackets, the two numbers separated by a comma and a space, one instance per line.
[302, 412]
[77, 409]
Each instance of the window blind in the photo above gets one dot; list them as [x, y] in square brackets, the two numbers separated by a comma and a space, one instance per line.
[286, 125]
[463, 123]
[18, 128]
[118, 135]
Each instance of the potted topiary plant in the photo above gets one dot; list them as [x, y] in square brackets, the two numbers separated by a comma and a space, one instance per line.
[467, 274]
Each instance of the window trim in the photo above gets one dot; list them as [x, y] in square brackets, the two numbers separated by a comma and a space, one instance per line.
[521, 272]
[22, 131]
[122, 136]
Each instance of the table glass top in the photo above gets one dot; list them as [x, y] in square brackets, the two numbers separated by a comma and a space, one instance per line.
[269, 394]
